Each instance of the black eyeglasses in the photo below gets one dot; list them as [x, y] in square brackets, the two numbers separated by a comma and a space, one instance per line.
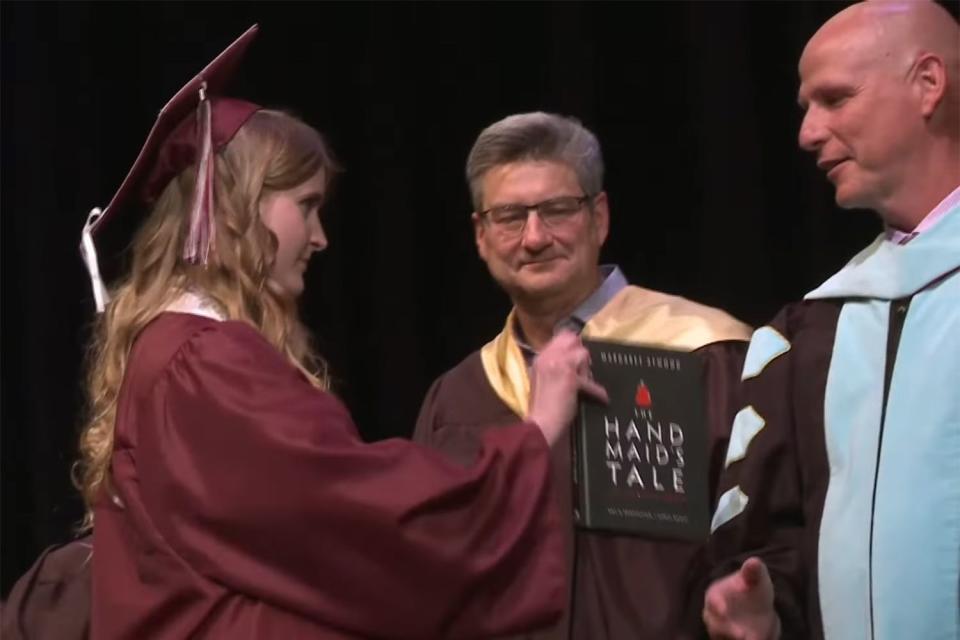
[510, 219]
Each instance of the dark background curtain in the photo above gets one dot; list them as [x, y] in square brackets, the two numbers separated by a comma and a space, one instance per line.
[693, 102]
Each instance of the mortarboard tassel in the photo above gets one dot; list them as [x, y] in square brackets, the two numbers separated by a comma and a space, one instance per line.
[171, 146]
[200, 237]
[89, 252]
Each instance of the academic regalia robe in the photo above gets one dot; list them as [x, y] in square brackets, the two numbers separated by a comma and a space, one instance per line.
[51, 601]
[624, 587]
[245, 505]
[843, 472]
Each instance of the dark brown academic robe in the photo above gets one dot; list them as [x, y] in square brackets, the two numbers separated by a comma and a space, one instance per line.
[248, 507]
[801, 387]
[624, 587]
[785, 504]
[51, 601]
[846, 474]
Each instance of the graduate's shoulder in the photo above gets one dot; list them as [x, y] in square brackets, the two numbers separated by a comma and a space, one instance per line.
[201, 340]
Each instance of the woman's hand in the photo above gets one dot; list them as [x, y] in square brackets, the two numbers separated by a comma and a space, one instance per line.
[559, 373]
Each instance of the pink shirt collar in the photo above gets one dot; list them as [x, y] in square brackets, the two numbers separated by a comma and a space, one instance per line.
[903, 237]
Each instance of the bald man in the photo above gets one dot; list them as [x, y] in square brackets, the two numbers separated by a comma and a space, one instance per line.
[839, 514]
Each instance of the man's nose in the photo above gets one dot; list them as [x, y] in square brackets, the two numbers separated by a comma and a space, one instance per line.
[536, 235]
[813, 130]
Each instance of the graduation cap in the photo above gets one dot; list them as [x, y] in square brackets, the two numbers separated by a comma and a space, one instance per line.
[190, 129]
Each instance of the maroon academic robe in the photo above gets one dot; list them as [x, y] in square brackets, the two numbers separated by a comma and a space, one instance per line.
[623, 587]
[248, 507]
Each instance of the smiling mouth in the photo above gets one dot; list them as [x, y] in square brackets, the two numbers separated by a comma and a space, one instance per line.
[830, 166]
[535, 263]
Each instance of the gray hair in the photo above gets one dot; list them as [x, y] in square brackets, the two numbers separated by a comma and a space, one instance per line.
[536, 136]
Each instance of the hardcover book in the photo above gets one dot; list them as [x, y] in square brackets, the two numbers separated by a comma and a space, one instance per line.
[640, 463]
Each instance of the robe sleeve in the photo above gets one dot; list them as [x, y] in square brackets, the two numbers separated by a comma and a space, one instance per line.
[759, 511]
[723, 362]
[427, 418]
[260, 482]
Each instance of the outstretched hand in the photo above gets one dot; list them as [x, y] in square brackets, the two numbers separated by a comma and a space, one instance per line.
[740, 605]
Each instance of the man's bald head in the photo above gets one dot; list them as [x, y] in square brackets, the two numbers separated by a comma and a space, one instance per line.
[879, 82]
[893, 32]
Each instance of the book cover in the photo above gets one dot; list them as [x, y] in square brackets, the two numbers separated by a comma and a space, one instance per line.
[640, 463]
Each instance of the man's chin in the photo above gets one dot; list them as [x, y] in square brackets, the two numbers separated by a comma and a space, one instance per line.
[540, 285]
[849, 196]
[843, 203]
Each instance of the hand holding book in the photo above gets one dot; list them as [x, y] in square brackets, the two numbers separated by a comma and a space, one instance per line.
[559, 372]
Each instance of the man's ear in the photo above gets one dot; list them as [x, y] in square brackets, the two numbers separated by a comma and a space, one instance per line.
[601, 216]
[479, 234]
[930, 80]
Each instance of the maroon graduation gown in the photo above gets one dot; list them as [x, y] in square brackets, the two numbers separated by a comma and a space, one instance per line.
[248, 507]
[623, 587]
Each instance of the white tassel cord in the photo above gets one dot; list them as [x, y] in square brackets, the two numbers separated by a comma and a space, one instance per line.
[89, 252]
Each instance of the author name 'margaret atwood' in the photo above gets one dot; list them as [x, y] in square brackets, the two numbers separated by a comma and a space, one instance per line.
[646, 360]
[640, 462]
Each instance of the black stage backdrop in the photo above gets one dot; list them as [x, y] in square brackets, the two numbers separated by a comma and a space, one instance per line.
[694, 104]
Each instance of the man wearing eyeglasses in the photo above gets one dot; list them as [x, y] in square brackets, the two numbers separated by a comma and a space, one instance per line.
[540, 219]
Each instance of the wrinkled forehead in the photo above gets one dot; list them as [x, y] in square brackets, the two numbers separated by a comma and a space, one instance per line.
[839, 55]
[526, 179]
[527, 170]
[879, 34]
[841, 44]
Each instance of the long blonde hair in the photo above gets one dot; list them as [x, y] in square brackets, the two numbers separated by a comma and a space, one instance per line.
[273, 151]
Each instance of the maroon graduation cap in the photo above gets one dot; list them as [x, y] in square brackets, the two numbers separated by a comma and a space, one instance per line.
[193, 126]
